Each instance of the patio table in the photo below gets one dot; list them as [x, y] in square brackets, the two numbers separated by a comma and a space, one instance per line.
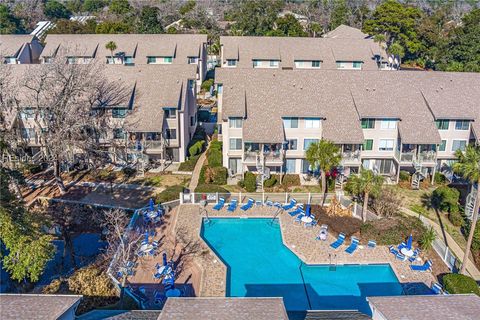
[406, 252]
[152, 214]
[164, 270]
[173, 293]
[307, 219]
[145, 248]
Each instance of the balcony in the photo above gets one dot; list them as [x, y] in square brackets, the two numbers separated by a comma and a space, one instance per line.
[411, 156]
[273, 157]
[351, 157]
[427, 157]
[250, 157]
[407, 157]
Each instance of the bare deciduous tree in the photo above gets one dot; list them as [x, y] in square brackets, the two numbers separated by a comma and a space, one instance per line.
[69, 103]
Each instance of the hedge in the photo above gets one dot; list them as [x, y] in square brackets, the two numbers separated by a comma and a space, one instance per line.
[189, 165]
[215, 158]
[458, 283]
[169, 194]
[250, 182]
[210, 188]
[391, 231]
[196, 148]
[270, 182]
[207, 84]
[445, 198]
[216, 145]
[404, 175]
[456, 218]
[290, 180]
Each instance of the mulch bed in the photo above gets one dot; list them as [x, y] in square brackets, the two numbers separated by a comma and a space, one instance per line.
[348, 225]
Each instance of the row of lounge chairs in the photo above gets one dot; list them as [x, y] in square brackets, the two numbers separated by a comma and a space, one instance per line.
[232, 206]
[341, 239]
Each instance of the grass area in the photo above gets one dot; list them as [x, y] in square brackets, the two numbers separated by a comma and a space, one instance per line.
[163, 180]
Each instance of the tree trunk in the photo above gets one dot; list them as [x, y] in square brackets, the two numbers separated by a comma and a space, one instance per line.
[365, 207]
[58, 178]
[122, 290]
[463, 269]
[324, 187]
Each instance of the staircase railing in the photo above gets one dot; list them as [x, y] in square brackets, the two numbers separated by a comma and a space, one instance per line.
[470, 203]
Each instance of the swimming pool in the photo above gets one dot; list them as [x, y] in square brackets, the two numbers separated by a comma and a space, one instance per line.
[260, 265]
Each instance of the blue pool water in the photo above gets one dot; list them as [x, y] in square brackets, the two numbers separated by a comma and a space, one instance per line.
[259, 265]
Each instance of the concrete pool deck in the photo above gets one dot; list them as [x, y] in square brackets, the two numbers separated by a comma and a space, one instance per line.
[299, 240]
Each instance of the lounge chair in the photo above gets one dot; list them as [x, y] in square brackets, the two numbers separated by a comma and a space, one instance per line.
[323, 234]
[298, 218]
[414, 257]
[311, 224]
[269, 203]
[353, 246]
[393, 250]
[425, 267]
[219, 205]
[339, 242]
[289, 206]
[233, 205]
[401, 246]
[248, 205]
[437, 288]
[277, 205]
[400, 256]
[298, 210]
[372, 244]
[144, 241]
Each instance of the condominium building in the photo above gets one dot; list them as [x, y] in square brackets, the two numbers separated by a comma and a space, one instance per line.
[344, 48]
[19, 49]
[384, 121]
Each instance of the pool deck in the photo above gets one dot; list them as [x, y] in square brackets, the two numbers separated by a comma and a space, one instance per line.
[300, 240]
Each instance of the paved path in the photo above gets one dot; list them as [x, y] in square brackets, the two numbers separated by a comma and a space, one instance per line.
[129, 186]
[450, 242]
[196, 171]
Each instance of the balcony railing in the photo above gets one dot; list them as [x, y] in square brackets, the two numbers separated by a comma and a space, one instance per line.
[250, 156]
[407, 156]
[273, 157]
[427, 156]
[351, 156]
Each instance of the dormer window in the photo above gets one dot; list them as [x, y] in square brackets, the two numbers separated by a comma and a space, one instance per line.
[10, 60]
[170, 113]
[192, 60]
[48, 60]
[159, 60]
[307, 64]
[78, 60]
[231, 62]
[265, 63]
[352, 65]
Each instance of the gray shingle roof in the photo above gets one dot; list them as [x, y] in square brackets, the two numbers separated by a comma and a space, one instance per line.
[439, 307]
[223, 308]
[345, 32]
[289, 49]
[11, 44]
[264, 96]
[35, 306]
[138, 45]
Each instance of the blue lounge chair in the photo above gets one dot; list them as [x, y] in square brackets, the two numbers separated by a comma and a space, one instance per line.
[289, 206]
[393, 250]
[425, 267]
[155, 244]
[298, 218]
[437, 288]
[311, 224]
[219, 205]
[353, 246]
[297, 211]
[233, 205]
[269, 203]
[372, 244]
[339, 242]
[248, 205]
[400, 256]
[416, 252]
[401, 246]
[277, 205]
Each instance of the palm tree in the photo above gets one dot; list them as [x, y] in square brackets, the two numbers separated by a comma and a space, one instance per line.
[468, 166]
[366, 183]
[326, 156]
[112, 46]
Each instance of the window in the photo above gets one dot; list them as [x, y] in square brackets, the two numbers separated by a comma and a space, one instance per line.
[368, 145]
[110, 60]
[386, 144]
[119, 133]
[151, 60]
[231, 62]
[316, 64]
[28, 113]
[235, 144]
[71, 60]
[442, 124]
[292, 144]
[442, 146]
[220, 89]
[170, 113]
[128, 61]
[28, 133]
[48, 60]
[462, 125]
[256, 63]
[235, 122]
[10, 60]
[119, 112]
[357, 65]
[192, 121]
[299, 64]
[192, 60]
[312, 123]
[171, 134]
[290, 165]
[388, 124]
[290, 122]
[167, 59]
[273, 63]
[368, 123]
[308, 142]
[340, 64]
[459, 145]
[385, 166]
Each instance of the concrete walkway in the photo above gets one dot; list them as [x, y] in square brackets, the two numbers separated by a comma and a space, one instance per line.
[450, 243]
[198, 167]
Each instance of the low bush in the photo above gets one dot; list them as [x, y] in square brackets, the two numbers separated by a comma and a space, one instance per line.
[189, 165]
[216, 145]
[270, 182]
[404, 176]
[207, 84]
[215, 158]
[291, 180]
[387, 203]
[418, 208]
[250, 182]
[458, 283]
[129, 172]
[427, 238]
[439, 178]
[392, 231]
[456, 218]
[169, 194]
[196, 148]
[33, 168]
[445, 198]
[241, 184]
[216, 175]
[210, 188]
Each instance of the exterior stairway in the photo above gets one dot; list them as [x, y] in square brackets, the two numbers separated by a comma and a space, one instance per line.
[340, 182]
[418, 176]
[470, 203]
[263, 173]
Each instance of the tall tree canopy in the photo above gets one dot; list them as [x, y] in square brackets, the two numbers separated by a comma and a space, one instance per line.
[56, 10]
[8, 22]
[148, 21]
[255, 17]
[287, 26]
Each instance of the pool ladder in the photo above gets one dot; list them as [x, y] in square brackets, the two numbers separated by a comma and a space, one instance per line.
[279, 210]
[204, 214]
[333, 262]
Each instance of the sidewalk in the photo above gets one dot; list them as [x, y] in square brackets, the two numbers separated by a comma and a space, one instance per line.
[450, 242]
[198, 167]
